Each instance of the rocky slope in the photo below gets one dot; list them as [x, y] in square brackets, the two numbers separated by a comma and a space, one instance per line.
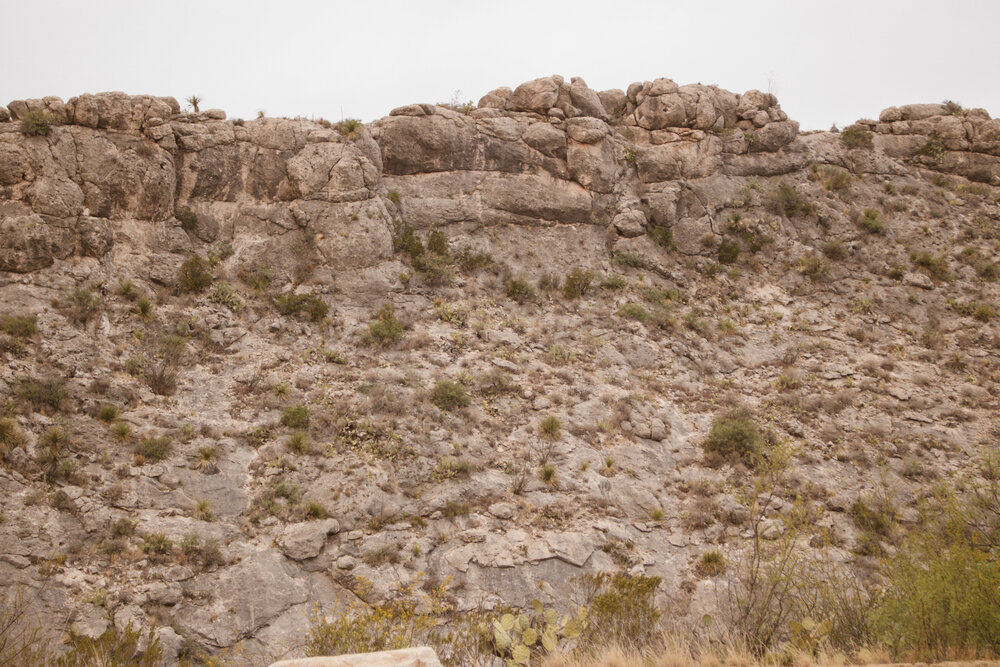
[630, 263]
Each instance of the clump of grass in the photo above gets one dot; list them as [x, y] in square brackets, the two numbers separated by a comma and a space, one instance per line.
[295, 416]
[298, 442]
[711, 564]
[19, 326]
[310, 305]
[449, 395]
[856, 136]
[43, 393]
[551, 427]
[811, 266]
[936, 266]
[386, 328]
[144, 308]
[729, 252]
[349, 127]
[154, 449]
[256, 276]
[547, 473]
[107, 413]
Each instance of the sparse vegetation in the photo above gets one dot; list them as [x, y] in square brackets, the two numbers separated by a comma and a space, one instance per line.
[449, 395]
[734, 436]
[194, 275]
[36, 124]
[386, 329]
[856, 136]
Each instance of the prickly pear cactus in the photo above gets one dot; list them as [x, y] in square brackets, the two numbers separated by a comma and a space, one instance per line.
[516, 638]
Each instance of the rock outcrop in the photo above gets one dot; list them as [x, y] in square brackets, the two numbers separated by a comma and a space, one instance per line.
[223, 459]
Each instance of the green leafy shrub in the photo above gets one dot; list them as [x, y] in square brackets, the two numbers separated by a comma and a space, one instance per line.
[310, 305]
[936, 266]
[663, 237]
[386, 328]
[932, 148]
[298, 442]
[856, 136]
[448, 395]
[812, 266]
[627, 259]
[36, 124]
[733, 436]
[226, 296]
[835, 249]
[790, 202]
[194, 275]
[83, 304]
[729, 252]
[295, 416]
[437, 242]
[43, 393]
[577, 283]
[188, 219]
[256, 276]
[871, 221]
[634, 311]
[19, 326]
[519, 290]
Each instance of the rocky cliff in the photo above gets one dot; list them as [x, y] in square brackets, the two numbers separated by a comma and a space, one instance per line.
[213, 446]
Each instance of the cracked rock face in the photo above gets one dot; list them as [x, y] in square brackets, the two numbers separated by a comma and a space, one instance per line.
[628, 262]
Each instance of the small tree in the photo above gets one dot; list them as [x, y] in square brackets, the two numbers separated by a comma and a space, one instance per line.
[194, 101]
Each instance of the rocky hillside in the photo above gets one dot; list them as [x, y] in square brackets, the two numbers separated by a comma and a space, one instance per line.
[252, 367]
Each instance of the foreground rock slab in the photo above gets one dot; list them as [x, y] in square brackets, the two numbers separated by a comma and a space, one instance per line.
[407, 657]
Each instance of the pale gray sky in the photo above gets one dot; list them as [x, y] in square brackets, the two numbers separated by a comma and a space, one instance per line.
[827, 62]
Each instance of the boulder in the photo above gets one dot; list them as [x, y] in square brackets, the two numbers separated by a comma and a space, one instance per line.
[305, 540]
[546, 139]
[538, 95]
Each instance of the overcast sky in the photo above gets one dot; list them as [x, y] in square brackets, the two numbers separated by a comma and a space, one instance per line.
[827, 62]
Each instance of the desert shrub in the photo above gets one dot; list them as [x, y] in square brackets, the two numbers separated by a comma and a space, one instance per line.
[406, 239]
[298, 442]
[256, 276]
[547, 473]
[194, 275]
[114, 648]
[518, 289]
[226, 295]
[471, 259]
[437, 242]
[627, 259]
[634, 311]
[154, 449]
[36, 124]
[614, 281]
[295, 416]
[19, 326]
[448, 395]
[188, 219]
[310, 305]
[871, 221]
[936, 266]
[836, 179]
[932, 148]
[53, 452]
[43, 393]
[577, 283]
[856, 136]
[621, 610]
[790, 202]
[349, 127]
[551, 427]
[734, 436]
[108, 413]
[835, 249]
[144, 308]
[729, 252]
[711, 563]
[11, 436]
[811, 266]
[83, 304]
[943, 599]
[386, 328]
[663, 237]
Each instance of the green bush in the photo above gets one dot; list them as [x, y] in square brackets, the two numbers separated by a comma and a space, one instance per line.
[349, 127]
[856, 136]
[226, 295]
[194, 275]
[633, 311]
[295, 416]
[663, 237]
[107, 413]
[44, 393]
[519, 290]
[309, 304]
[812, 266]
[621, 609]
[871, 221]
[551, 427]
[19, 326]
[835, 249]
[386, 328]
[448, 395]
[729, 252]
[577, 283]
[932, 148]
[790, 202]
[437, 242]
[36, 124]
[256, 276]
[734, 436]
[936, 266]
[188, 219]
[11, 436]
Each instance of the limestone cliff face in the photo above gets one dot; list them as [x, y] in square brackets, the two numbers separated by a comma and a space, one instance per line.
[840, 285]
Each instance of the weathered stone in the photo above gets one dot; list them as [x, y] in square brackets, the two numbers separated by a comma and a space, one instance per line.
[305, 540]
[407, 657]
[539, 95]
